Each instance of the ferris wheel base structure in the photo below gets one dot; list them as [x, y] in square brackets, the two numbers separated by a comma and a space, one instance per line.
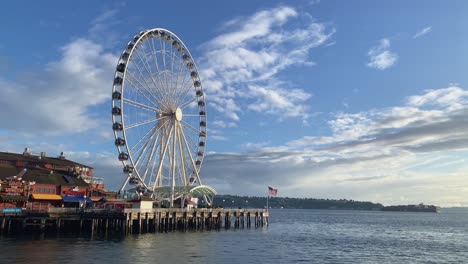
[159, 118]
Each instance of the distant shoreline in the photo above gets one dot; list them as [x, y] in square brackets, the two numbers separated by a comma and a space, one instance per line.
[235, 201]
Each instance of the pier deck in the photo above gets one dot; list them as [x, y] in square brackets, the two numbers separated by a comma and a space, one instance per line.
[131, 220]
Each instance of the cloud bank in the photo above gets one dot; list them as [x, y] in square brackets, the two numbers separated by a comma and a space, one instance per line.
[411, 153]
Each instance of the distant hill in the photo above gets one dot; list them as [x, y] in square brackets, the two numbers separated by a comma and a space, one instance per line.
[234, 201]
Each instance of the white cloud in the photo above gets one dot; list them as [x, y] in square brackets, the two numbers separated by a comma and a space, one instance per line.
[256, 26]
[57, 99]
[422, 32]
[278, 101]
[241, 66]
[216, 135]
[381, 57]
[223, 124]
[453, 97]
[104, 29]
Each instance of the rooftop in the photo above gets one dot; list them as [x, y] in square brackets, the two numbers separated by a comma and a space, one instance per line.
[38, 158]
[41, 176]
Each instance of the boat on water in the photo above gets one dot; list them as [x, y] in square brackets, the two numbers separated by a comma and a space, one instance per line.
[413, 208]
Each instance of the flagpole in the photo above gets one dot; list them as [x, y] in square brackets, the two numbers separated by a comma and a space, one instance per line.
[268, 196]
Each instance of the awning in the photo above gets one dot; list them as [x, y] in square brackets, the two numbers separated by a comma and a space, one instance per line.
[76, 199]
[40, 196]
[12, 198]
[200, 190]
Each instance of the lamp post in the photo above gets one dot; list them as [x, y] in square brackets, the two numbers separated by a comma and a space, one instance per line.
[246, 203]
[223, 203]
[30, 184]
[84, 202]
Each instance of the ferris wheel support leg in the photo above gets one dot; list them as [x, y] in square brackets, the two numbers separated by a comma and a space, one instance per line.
[182, 158]
[161, 160]
[173, 165]
[124, 184]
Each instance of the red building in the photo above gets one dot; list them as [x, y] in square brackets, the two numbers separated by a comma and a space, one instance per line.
[37, 182]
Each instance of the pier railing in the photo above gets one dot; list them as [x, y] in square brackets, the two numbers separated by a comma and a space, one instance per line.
[198, 210]
[61, 211]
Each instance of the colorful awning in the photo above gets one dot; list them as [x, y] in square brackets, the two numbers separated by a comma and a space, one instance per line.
[41, 196]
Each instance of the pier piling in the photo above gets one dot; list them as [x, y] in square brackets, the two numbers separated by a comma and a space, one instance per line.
[130, 221]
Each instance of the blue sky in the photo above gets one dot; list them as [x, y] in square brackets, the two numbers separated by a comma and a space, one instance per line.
[365, 100]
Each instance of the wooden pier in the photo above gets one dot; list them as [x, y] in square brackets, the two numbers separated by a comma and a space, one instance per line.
[131, 221]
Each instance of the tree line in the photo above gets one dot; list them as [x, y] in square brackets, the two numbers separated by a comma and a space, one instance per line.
[234, 201]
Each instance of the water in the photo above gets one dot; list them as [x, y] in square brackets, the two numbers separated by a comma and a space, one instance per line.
[294, 236]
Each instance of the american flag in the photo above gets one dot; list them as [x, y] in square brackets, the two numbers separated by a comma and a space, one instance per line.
[272, 191]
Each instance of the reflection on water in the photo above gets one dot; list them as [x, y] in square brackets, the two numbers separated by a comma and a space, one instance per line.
[293, 236]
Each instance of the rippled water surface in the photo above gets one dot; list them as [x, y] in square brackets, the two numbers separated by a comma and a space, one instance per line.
[294, 236]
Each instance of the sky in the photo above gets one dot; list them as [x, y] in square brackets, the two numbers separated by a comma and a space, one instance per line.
[362, 100]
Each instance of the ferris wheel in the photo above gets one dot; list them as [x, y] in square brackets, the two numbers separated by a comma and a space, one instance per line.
[159, 116]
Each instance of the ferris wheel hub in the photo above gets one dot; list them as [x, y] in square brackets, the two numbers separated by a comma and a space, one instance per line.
[178, 114]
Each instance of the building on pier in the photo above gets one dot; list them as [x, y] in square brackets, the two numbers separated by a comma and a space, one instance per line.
[37, 182]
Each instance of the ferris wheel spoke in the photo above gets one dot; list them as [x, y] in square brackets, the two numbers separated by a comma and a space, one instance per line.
[130, 74]
[187, 103]
[154, 130]
[190, 127]
[190, 139]
[148, 66]
[177, 69]
[185, 88]
[182, 158]
[171, 79]
[149, 72]
[144, 122]
[142, 149]
[192, 143]
[142, 106]
[150, 157]
[163, 56]
[184, 76]
[155, 60]
[141, 140]
[192, 162]
[158, 174]
[137, 163]
[140, 72]
[152, 176]
[173, 86]
[179, 75]
[138, 76]
[168, 60]
[140, 92]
